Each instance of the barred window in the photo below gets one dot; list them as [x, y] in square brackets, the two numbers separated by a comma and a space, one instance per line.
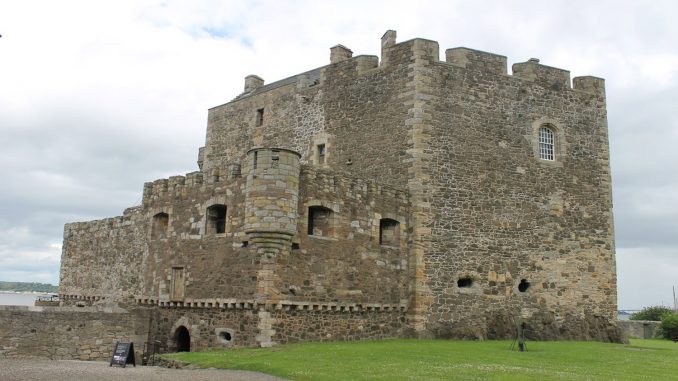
[547, 147]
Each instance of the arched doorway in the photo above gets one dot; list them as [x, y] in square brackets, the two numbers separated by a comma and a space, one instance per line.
[182, 339]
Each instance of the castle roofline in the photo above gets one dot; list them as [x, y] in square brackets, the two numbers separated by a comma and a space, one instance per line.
[313, 75]
[477, 51]
[531, 69]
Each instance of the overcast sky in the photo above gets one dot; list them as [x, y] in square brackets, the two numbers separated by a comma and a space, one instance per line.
[97, 97]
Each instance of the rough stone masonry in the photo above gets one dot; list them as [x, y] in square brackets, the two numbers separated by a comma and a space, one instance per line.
[374, 197]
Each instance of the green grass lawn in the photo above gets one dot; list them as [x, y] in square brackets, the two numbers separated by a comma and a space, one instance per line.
[452, 360]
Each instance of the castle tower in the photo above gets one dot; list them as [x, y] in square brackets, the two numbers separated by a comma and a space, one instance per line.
[272, 197]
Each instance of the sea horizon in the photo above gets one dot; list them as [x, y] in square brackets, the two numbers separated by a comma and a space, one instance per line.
[13, 298]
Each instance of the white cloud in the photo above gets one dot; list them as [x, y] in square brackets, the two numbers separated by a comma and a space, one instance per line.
[646, 276]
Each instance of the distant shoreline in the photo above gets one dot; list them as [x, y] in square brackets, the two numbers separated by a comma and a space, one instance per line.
[14, 298]
[26, 292]
[28, 287]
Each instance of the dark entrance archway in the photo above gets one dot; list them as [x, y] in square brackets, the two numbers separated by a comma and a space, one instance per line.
[182, 339]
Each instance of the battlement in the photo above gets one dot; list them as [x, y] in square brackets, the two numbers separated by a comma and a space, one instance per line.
[590, 84]
[175, 185]
[102, 226]
[471, 59]
[550, 77]
[476, 60]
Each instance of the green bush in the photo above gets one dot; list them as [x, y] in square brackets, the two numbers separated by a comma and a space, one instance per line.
[653, 313]
[669, 326]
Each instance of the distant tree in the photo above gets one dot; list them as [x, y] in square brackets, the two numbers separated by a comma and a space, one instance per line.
[27, 287]
[669, 326]
[653, 313]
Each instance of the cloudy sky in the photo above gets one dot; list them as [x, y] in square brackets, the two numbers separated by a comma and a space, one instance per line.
[97, 97]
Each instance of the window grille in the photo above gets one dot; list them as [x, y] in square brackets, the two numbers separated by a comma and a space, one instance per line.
[547, 146]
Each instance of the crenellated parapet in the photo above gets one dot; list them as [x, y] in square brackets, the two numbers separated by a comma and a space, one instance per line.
[476, 60]
[550, 77]
[590, 84]
[175, 186]
[104, 226]
[169, 187]
[531, 71]
[391, 54]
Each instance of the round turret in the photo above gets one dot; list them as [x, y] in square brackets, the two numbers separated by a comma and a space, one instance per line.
[272, 193]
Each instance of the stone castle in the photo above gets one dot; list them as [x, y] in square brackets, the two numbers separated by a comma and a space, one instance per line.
[374, 197]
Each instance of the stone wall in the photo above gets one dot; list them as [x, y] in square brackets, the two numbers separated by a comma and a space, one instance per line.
[102, 260]
[365, 117]
[119, 258]
[292, 114]
[205, 325]
[347, 263]
[213, 263]
[262, 325]
[512, 235]
[295, 326]
[70, 333]
[354, 108]
[640, 329]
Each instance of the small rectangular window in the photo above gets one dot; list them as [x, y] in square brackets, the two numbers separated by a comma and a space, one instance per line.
[260, 117]
[389, 232]
[320, 221]
[321, 154]
[216, 219]
[159, 226]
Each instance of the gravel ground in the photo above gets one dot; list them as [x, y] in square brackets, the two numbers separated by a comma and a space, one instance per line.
[69, 370]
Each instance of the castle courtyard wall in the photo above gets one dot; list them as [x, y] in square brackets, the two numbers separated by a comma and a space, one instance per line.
[76, 333]
[298, 326]
[204, 326]
[265, 325]
[102, 260]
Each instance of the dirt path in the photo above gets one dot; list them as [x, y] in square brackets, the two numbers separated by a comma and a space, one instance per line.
[67, 370]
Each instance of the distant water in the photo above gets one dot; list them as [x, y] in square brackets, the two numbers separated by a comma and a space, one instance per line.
[17, 299]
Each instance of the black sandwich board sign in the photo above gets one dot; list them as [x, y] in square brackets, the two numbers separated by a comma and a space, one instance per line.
[123, 354]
